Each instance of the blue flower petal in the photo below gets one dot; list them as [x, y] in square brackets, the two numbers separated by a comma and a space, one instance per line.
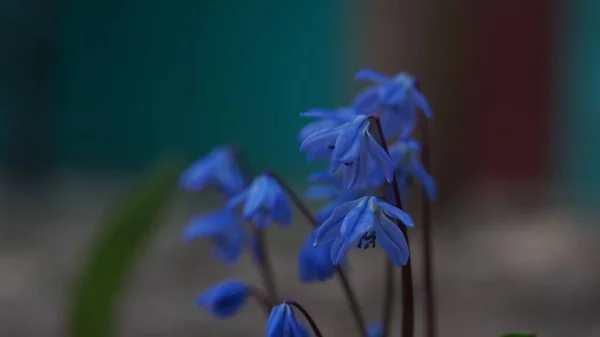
[282, 323]
[236, 199]
[224, 299]
[371, 75]
[367, 101]
[324, 177]
[350, 139]
[393, 242]
[421, 102]
[330, 229]
[396, 213]
[282, 210]
[425, 180]
[381, 158]
[257, 195]
[375, 330]
[339, 249]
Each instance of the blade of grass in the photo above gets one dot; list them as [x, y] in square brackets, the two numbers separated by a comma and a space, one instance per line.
[124, 233]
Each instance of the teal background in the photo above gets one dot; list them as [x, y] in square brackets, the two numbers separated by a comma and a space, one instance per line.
[579, 92]
[139, 78]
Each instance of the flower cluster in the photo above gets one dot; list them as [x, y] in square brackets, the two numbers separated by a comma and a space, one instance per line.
[369, 153]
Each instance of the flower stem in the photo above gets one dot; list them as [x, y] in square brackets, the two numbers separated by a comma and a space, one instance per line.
[408, 309]
[430, 312]
[388, 299]
[262, 299]
[265, 265]
[261, 247]
[312, 323]
[352, 301]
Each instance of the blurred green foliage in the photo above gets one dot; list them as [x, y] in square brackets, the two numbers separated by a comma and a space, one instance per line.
[519, 334]
[123, 235]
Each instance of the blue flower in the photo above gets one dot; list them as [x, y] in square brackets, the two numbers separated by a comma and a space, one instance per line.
[353, 151]
[327, 120]
[374, 330]
[219, 167]
[223, 229]
[405, 156]
[351, 220]
[282, 323]
[396, 99]
[330, 188]
[224, 299]
[314, 263]
[264, 201]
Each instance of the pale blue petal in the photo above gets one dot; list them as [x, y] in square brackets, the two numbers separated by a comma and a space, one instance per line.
[367, 101]
[198, 175]
[363, 164]
[396, 213]
[349, 140]
[319, 113]
[421, 102]
[204, 226]
[339, 250]
[276, 322]
[358, 221]
[236, 199]
[381, 158]
[324, 177]
[330, 229]
[371, 75]
[282, 209]
[257, 196]
[393, 94]
[391, 239]
[320, 140]
[314, 127]
[425, 180]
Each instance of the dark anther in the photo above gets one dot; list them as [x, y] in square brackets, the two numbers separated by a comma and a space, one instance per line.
[331, 147]
[348, 164]
[369, 239]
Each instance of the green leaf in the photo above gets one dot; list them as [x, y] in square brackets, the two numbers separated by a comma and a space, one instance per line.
[519, 334]
[122, 237]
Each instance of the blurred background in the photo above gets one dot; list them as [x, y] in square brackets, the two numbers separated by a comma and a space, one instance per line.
[94, 93]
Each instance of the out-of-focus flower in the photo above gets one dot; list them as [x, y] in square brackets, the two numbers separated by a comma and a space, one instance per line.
[396, 98]
[282, 323]
[264, 201]
[352, 220]
[223, 229]
[330, 188]
[218, 167]
[224, 299]
[405, 156]
[374, 330]
[314, 263]
[326, 119]
[354, 150]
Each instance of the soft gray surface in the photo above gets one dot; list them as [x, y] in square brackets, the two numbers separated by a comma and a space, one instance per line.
[496, 270]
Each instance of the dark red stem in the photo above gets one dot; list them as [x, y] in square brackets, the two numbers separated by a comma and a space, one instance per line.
[263, 300]
[408, 308]
[265, 264]
[430, 315]
[312, 323]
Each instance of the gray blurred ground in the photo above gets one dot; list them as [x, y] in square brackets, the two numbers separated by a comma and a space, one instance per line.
[498, 267]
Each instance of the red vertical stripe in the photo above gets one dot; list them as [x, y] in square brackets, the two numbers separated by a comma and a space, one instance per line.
[507, 89]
